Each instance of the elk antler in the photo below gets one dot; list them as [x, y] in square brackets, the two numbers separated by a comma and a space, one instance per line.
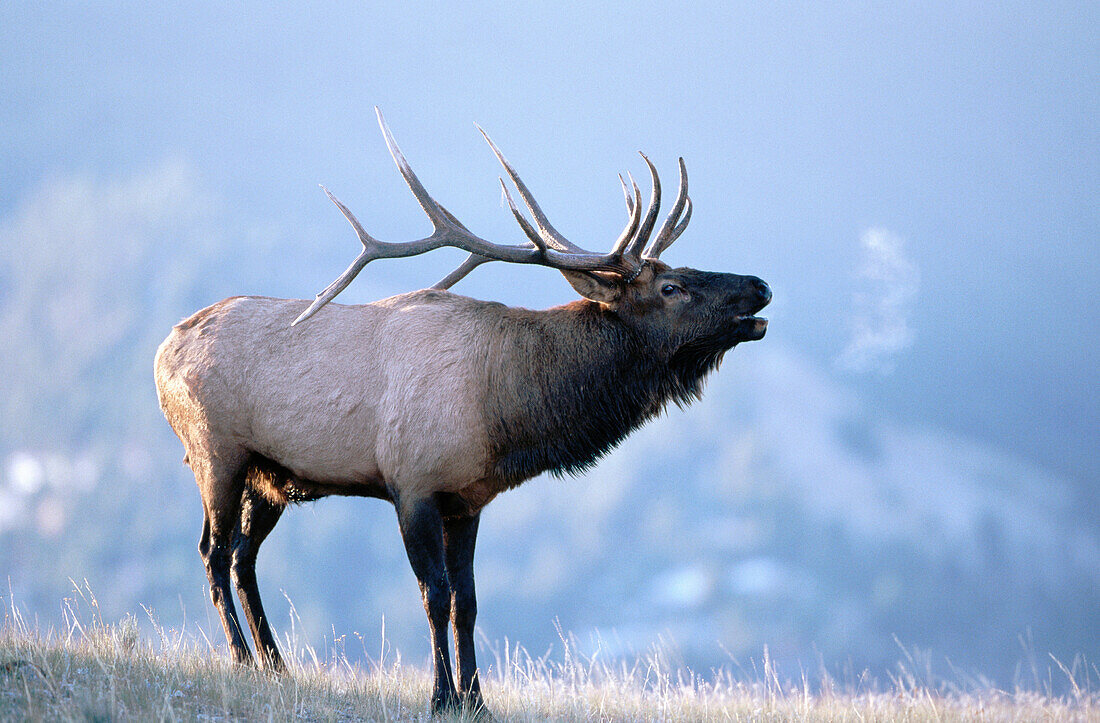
[547, 248]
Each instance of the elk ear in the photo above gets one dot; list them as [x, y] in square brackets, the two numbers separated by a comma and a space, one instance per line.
[593, 286]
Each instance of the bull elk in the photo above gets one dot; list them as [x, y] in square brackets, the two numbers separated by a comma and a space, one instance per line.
[436, 402]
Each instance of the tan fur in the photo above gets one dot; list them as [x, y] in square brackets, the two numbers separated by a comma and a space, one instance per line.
[387, 393]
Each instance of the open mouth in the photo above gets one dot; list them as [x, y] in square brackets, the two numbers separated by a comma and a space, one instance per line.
[752, 328]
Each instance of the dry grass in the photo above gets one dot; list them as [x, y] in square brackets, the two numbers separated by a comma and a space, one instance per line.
[91, 671]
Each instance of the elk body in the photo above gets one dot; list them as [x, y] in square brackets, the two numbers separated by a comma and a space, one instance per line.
[433, 401]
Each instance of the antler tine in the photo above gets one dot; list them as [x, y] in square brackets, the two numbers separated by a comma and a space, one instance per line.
[472, 262]
[634, 207]
[673, 226]
[626, 195]
[364, 238]
[549, 233]
[351, 271]
[435, 212]
[634, 249]
[524, 224]
[682, 225]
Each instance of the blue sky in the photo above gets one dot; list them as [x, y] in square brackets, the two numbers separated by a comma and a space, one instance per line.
[966, 134]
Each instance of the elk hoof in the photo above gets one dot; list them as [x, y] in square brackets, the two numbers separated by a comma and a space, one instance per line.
[274, 665]
[445, 704]
[479, 712]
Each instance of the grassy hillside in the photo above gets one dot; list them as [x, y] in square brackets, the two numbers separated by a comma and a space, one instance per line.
[90, 670]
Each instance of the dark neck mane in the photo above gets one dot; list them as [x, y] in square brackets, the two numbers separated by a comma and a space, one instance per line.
[572, 382]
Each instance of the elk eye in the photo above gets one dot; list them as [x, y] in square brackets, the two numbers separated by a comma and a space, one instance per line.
[670, 289]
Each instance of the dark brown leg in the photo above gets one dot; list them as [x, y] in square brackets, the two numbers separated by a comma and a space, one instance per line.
[459, 536]
[422, 532]
[221, 488]
[258, 518]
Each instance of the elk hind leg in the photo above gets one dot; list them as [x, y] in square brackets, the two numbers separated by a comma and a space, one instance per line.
[221, 482]
[258, 518]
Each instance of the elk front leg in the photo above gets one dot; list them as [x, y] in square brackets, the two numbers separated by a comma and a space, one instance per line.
[422, 531]
[459, 536]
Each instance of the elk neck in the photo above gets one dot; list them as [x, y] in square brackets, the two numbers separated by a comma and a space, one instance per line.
[568, 384]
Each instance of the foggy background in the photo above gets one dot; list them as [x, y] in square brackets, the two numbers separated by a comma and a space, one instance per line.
[910, 455]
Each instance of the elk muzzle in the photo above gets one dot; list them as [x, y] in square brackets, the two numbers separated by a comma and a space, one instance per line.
[755, 295]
